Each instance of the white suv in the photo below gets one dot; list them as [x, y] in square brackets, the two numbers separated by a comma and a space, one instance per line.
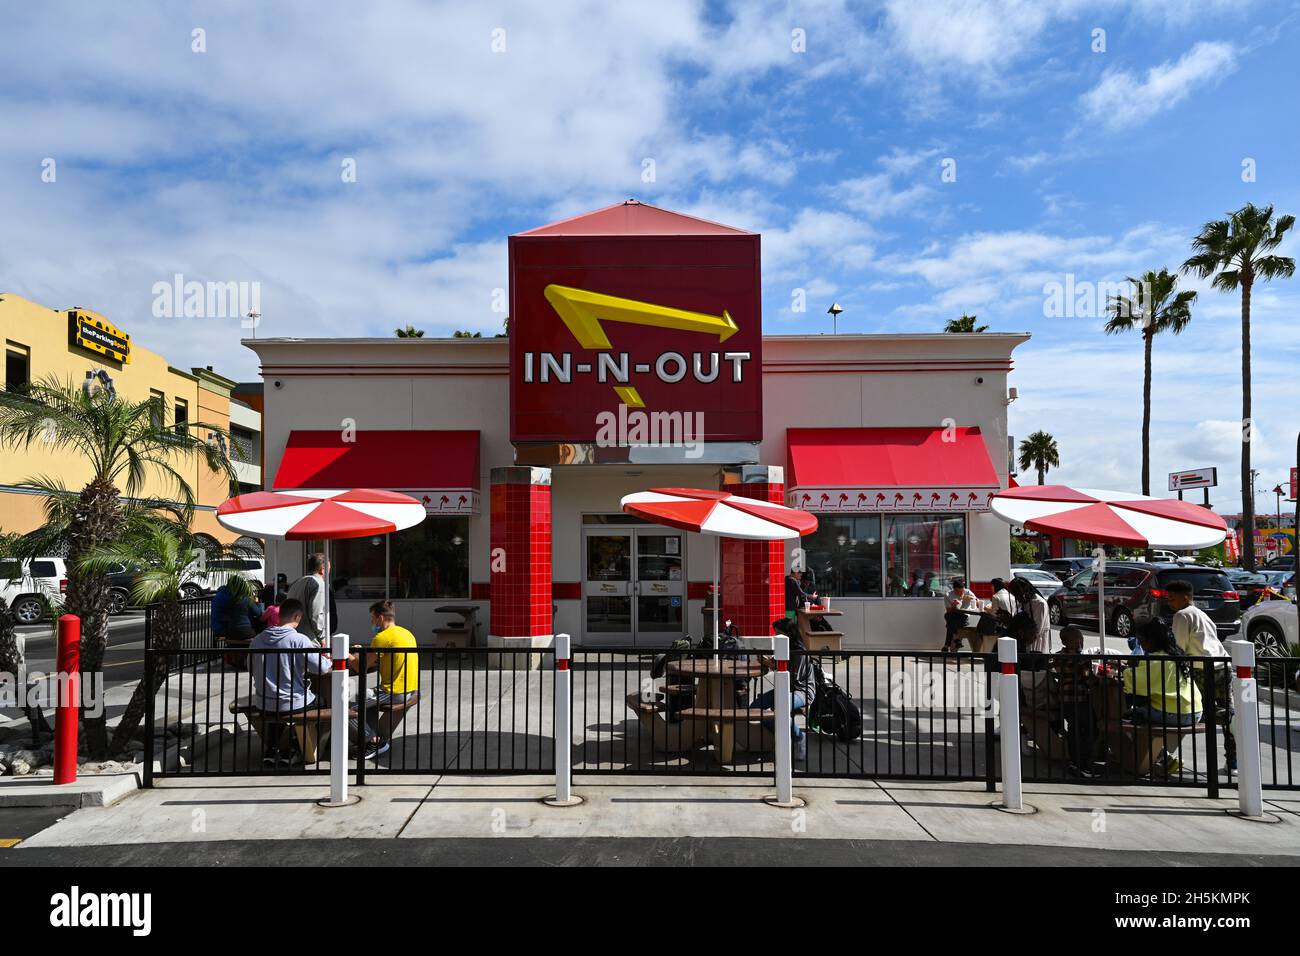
[1272, 626]
[28, 586]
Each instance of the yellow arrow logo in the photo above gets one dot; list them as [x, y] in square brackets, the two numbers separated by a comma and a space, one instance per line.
[582, 312]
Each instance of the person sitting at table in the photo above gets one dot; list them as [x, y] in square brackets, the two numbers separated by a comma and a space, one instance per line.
[803, 684]
[1005, 605]
[279, 680]
[1074, 679]
[1161, 690]
[957, 603]
[795, 595]
[399, 675]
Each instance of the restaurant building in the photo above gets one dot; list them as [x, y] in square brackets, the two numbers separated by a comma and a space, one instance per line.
[636, 360]
[89, 350]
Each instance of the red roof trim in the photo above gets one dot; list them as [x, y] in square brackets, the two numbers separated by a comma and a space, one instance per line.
[888, 458]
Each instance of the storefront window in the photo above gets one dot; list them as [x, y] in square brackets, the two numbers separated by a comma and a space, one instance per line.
[923, 553]
[843, 556]
[430, 560]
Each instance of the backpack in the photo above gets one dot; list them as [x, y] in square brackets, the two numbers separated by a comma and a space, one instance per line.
[833, 710]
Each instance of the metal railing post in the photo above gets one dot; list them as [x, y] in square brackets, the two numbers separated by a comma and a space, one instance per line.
[780, 726]
[562, 726]
[1250, 790]
[1009, 710]
[362, 715]
[338, 724]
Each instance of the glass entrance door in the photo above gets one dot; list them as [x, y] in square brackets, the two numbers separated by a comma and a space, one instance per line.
[634, 588]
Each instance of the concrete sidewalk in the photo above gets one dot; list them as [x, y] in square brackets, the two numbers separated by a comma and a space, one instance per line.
[1150, 819]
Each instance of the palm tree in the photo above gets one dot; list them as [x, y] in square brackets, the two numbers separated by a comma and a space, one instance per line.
[165, 550]
[410, 332]
[1039, 452]
[125, 443]
[965, 324]
[1155, 309]
[1237, 251]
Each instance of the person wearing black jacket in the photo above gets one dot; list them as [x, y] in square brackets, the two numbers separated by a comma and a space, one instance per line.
[795, 595]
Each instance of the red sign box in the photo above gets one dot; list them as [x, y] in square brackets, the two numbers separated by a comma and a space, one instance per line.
[652, 310]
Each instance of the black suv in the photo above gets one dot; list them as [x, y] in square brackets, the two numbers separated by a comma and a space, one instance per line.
[1065, 568]
[1135, 592]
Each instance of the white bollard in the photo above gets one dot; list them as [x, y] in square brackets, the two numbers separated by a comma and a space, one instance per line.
[339, 720]
[562, 732]
[1009, 719]
[781, 727]
[1245, 720]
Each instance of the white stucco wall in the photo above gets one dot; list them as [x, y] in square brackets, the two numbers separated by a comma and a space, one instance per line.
[809, 381]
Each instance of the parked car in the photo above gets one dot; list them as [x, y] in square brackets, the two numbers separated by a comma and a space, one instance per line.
[1135, 593]
[216, 572]
[1044, 582]
[1250, 585]
[1065, 568]
[28, 586]
[1272, 627]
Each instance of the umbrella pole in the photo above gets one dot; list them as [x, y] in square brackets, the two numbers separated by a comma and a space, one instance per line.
[338, 700]
[717, 595]
[1101, 595]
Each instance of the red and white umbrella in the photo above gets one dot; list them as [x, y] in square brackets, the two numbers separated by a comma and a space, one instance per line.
[721, 514]
[1109, 517]
[300, 515]
[1112, 517]
[319, 515]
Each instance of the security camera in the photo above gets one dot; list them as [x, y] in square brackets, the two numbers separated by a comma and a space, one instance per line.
[279, 384]
[979, 380]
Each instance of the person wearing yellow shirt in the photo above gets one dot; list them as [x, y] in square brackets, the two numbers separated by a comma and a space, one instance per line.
[399, 674]
[1162, 681]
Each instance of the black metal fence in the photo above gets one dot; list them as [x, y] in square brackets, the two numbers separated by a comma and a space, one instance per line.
[195, 631]
[924, 716]
[1277, 684]
[255, 711]
[1127, 719]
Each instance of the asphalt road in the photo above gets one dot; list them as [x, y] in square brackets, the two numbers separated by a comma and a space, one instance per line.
[123, 661]
[19, 823]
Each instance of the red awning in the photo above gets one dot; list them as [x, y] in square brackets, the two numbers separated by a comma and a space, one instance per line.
[438, 468]
[889, 469]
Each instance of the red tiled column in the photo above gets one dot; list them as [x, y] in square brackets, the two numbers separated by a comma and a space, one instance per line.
[519, 558]
[753, 572]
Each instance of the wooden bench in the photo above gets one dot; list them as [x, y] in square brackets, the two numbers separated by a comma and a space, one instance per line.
[822, 640]
[305, 725]
[453, 635]
[669, 738]
[1139, 745]
[726, 720]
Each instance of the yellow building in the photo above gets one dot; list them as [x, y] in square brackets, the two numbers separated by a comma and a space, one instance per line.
[84, 347]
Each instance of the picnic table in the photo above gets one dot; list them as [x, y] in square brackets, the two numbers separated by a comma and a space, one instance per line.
[457, 634]
[716, 677]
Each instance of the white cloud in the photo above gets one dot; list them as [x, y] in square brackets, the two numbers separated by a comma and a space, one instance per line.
[1121, 100]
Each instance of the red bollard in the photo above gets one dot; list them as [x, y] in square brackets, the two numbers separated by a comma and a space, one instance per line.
[68, 705]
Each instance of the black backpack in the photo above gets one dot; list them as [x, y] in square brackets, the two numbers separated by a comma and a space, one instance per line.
[833, 710]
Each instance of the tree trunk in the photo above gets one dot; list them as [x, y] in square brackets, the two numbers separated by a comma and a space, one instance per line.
[165, 633]
[1247, 432]
[11, 662]
[96, 523]
[1146, 414]
[1042, 474]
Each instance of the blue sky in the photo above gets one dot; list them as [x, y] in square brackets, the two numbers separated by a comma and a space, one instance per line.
[225, 165]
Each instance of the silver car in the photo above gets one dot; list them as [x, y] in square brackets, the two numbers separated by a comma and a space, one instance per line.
[1045, 582]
